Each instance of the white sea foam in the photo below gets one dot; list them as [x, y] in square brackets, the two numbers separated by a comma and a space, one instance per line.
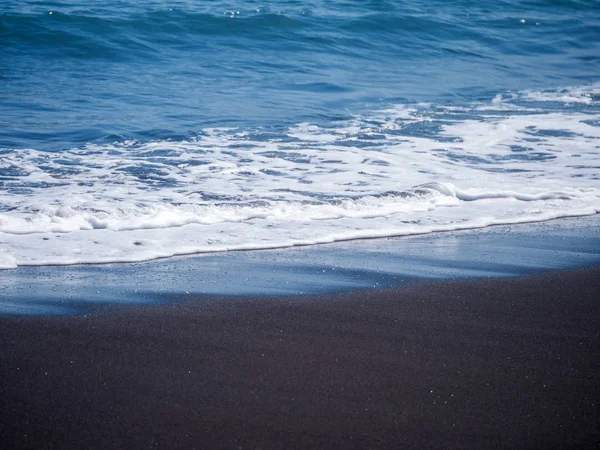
[586, 95]
[399, 171]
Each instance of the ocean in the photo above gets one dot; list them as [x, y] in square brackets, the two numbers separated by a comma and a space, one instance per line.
[136, 130]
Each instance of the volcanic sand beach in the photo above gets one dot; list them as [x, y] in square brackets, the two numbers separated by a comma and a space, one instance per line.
[299, 224]
[469, 363]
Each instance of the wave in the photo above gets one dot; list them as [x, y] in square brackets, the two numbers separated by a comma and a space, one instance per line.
[406, 169]
[148, 32]
[426, 197]
[153, 70]
[277, 228]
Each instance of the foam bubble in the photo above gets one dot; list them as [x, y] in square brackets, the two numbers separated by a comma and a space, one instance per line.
[402, 170]
[586, 95]
[7, 261]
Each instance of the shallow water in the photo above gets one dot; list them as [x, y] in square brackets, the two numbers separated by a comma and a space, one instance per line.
[504, 251]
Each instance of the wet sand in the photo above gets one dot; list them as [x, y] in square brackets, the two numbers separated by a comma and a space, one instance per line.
[484, 363]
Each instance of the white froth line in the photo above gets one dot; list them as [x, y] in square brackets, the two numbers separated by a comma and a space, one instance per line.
[9, 262]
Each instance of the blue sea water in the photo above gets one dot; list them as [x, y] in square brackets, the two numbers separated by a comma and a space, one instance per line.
[123, 122]
[75, 72]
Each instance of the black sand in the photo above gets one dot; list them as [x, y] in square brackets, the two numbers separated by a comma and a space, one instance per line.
[471, 364]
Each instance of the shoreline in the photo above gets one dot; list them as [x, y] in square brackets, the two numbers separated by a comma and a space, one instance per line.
[500, 251]
[476, 339]
[300, 245]
[467, 363]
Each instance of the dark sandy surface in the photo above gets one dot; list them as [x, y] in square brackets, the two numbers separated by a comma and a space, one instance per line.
[487, 363]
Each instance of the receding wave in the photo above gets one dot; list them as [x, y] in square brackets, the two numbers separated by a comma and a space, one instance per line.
[66, 219]
[406, 169]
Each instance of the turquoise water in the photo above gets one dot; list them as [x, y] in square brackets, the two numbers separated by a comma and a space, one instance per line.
[136, 130]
